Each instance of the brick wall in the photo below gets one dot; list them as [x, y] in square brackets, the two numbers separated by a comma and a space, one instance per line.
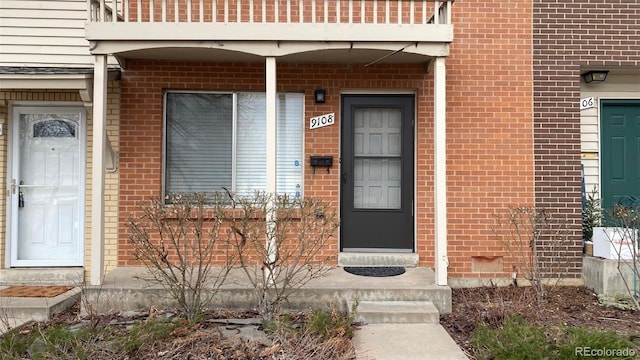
[570, 37]
[489, 129]
[144, 82]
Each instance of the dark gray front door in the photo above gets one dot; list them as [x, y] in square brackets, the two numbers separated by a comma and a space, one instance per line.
[377, 173]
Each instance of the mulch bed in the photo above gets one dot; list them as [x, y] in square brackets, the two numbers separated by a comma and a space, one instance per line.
[565, 305]
[208, 338]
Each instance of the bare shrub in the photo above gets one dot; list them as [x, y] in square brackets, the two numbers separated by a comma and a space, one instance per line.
[279, 243]
[309, 346]
[491, 303]
[625, 220]
[178, 244]
[537, 244]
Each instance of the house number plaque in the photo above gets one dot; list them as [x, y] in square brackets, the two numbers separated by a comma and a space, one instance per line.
[322, 120]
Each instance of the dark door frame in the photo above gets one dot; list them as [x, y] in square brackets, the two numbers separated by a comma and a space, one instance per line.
[377, 230]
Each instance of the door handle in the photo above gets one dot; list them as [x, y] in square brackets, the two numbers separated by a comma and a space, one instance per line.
[344, 177]
[20, 193]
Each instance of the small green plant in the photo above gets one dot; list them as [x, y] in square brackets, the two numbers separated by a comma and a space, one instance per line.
[576, 340]
[57, 342]
[14, 343]
[591, 215]
[515, 340]
[317, 334]
[147, 332]
[63, 341]
[330, 324]
[326, 323]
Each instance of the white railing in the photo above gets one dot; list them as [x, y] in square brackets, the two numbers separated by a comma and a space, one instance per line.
[272, 11]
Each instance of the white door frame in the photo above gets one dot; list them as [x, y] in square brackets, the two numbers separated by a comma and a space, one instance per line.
[13, 174]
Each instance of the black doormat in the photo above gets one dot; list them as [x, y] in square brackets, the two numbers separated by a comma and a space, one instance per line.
[377, 271]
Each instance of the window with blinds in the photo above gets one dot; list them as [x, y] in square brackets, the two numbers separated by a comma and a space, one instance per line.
[218, 140]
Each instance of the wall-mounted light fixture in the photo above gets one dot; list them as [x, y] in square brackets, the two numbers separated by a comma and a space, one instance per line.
[319, 96]
[595, 76]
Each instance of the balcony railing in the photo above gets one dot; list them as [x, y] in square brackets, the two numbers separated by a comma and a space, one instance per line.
[411, 12]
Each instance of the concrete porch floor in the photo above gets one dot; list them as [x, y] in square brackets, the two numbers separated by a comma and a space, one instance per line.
[124, 288]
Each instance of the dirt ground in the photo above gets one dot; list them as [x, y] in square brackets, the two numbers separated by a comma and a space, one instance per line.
[565, 305]
[220, 335]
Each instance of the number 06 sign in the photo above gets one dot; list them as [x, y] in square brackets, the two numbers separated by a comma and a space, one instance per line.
[322, 120]
[587, 103]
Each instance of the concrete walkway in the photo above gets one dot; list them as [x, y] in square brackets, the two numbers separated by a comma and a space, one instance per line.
[406, 342]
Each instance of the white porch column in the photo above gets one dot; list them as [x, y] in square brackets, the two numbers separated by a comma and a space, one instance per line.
[440, 170]
[98, 163]
[271, 100]
[270, 80]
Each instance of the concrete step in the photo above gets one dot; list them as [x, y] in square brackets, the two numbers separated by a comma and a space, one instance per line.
[378, 259]
[19, 310]
[395, 312]
[42, 276]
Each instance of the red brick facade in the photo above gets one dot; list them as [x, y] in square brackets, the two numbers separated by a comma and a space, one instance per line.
[490, 160]
[570, 37]
[489, 127]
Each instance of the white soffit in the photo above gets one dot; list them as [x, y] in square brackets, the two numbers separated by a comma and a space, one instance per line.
[46, 81]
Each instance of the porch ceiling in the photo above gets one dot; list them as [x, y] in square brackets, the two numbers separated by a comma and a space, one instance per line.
[299, 52]
[360, 56]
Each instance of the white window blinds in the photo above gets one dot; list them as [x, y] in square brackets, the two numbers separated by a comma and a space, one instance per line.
[290, 130]
[212, 144]
[251, 140]
[198, 142]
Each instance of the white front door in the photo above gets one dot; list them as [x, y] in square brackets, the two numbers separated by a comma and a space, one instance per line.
[47, 186]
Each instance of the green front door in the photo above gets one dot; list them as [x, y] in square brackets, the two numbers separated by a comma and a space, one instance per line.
[620, 153]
